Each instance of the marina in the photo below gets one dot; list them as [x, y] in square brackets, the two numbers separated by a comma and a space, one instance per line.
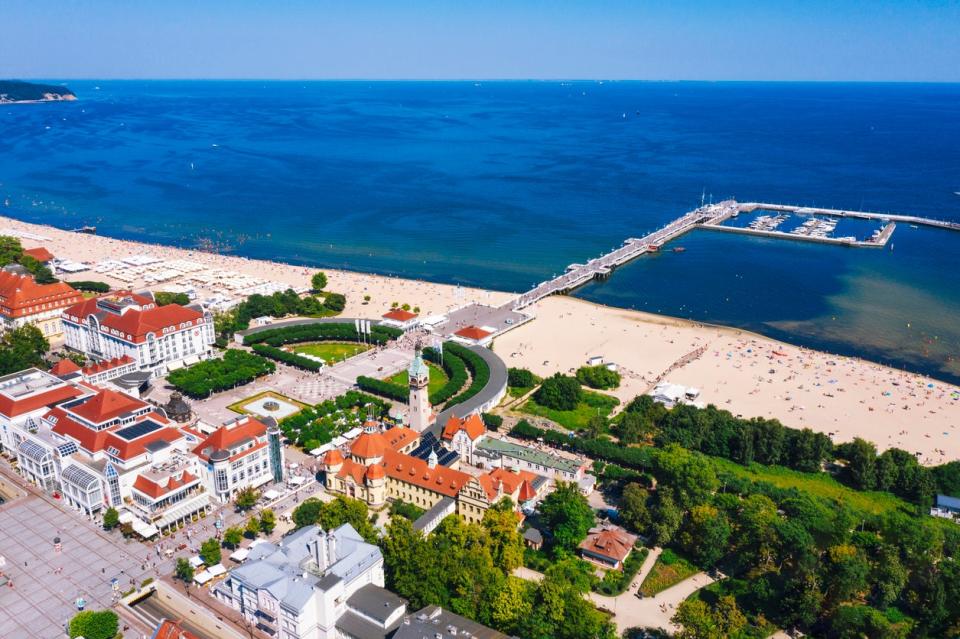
[818, 228]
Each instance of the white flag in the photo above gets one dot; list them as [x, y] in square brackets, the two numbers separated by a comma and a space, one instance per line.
[356, 326]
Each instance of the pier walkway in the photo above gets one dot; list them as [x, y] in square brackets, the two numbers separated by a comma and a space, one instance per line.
[712, 216]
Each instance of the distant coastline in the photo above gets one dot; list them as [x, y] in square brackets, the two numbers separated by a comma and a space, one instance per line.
[18, 92]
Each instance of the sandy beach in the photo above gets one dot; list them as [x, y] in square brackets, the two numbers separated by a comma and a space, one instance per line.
[749, 375]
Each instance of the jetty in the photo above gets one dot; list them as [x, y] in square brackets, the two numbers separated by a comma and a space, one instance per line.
[712, 217]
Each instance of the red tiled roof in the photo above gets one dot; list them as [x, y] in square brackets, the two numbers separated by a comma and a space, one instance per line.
[333, 457]
[411, 470]
[172, 630]
[352, 469]
[92, 440]
[99, 367]
[527, 492]
[134, 324]
[376, 471]
[473, 425]
[21, 296]
[64, 367]
[106, 405]
[400, 315]
[229, 435]
[128, 449]
[10, 407]
[369, 445]
[614, 543]
[40, 254]
[474, 333]
[154, 490]
[399, 436]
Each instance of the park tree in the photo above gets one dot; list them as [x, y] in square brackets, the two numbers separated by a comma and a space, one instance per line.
[252, 527]
[888, 577]
[184, 570]
[246, 498]
[22, 347]
[500, 522]
[335, 302]
[233, 536]
[633, 508]
[667, 518]
[861, 457]
[633, 428]
[319, 281]
[523, 378]
[41, 272]
[111, 518]
[686, 474]
[307, 513]
[511, 606]
[332, 515]
[210, 552]
[705, 535]
[90, 624]
[10, 250]
[846, 571]
[567, 515]
[164, 298]
[268, 521]
[559, 393]
[599, 377]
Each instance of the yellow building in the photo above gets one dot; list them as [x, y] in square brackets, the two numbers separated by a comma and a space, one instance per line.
[379, 468]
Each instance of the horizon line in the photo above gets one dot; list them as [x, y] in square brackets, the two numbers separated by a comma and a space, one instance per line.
[438, 80]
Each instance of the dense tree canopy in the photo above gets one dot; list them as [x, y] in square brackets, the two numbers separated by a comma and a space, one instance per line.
[164, 298]
[566, 515]
[599, 377]
[333, 514]
[22, 347]
[210, 376]
[90, 624]
[559, 392]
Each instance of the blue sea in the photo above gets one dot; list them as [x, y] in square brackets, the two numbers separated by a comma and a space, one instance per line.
[502, 184]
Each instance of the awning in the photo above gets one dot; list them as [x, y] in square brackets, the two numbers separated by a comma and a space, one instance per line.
[217, 570]
[126, 517]
[184, 509]
[296, 480]
[202, 577]
[144, 529]
[196, 561]
[240, 554]
[271, 494]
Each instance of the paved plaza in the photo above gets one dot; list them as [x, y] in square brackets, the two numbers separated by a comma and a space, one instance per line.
[46, 583]
[499, 318]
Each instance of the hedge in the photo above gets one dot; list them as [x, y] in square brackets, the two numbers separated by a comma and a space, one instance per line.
[382, 388]
[333, 331]
[93, 287]
[291, 359]
[478, 369]
[456, 372]
[214, 375]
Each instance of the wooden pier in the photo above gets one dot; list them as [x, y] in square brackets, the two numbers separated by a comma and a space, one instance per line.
[712, 216]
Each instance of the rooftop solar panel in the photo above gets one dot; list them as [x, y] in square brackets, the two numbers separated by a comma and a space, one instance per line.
[138, 430]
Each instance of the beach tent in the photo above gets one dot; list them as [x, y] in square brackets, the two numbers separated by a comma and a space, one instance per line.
[202, 577]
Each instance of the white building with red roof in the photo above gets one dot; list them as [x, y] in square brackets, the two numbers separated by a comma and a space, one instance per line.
[23, 301]
[126, 324]
[24, 398]
[463, 435]
[399, 318]
[103, 448]
[243, 453]
[474, 335]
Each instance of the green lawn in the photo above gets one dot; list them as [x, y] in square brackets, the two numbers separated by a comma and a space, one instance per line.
[669, 570]
[437, 378]
[331, 352]
[817, 484]
[576, 419]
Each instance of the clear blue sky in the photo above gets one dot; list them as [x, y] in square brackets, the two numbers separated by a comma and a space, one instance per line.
[431, 39]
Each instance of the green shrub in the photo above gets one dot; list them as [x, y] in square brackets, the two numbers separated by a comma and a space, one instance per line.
[478, 369]
[91, 286]
[599, 377]
[382, 388]
[456, 372]
[291, 359]
[559, 392]
[234, 369]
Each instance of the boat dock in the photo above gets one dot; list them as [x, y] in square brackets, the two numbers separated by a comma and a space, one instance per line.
[713, 216]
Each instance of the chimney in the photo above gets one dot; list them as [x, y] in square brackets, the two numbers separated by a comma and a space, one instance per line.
[331, 548]
[318, 550]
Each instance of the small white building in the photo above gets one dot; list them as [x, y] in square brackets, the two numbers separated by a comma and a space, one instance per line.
[399, 318]
[596, 360]
[243, 453]
[672, 394]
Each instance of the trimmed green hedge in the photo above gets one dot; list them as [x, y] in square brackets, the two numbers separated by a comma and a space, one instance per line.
[91, 286]
[478, 369]
[382, 388]
[456, 372]
[336, 331]
[291, 359]
[213, 375]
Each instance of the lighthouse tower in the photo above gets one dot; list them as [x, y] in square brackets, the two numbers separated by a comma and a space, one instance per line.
[419, 374]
